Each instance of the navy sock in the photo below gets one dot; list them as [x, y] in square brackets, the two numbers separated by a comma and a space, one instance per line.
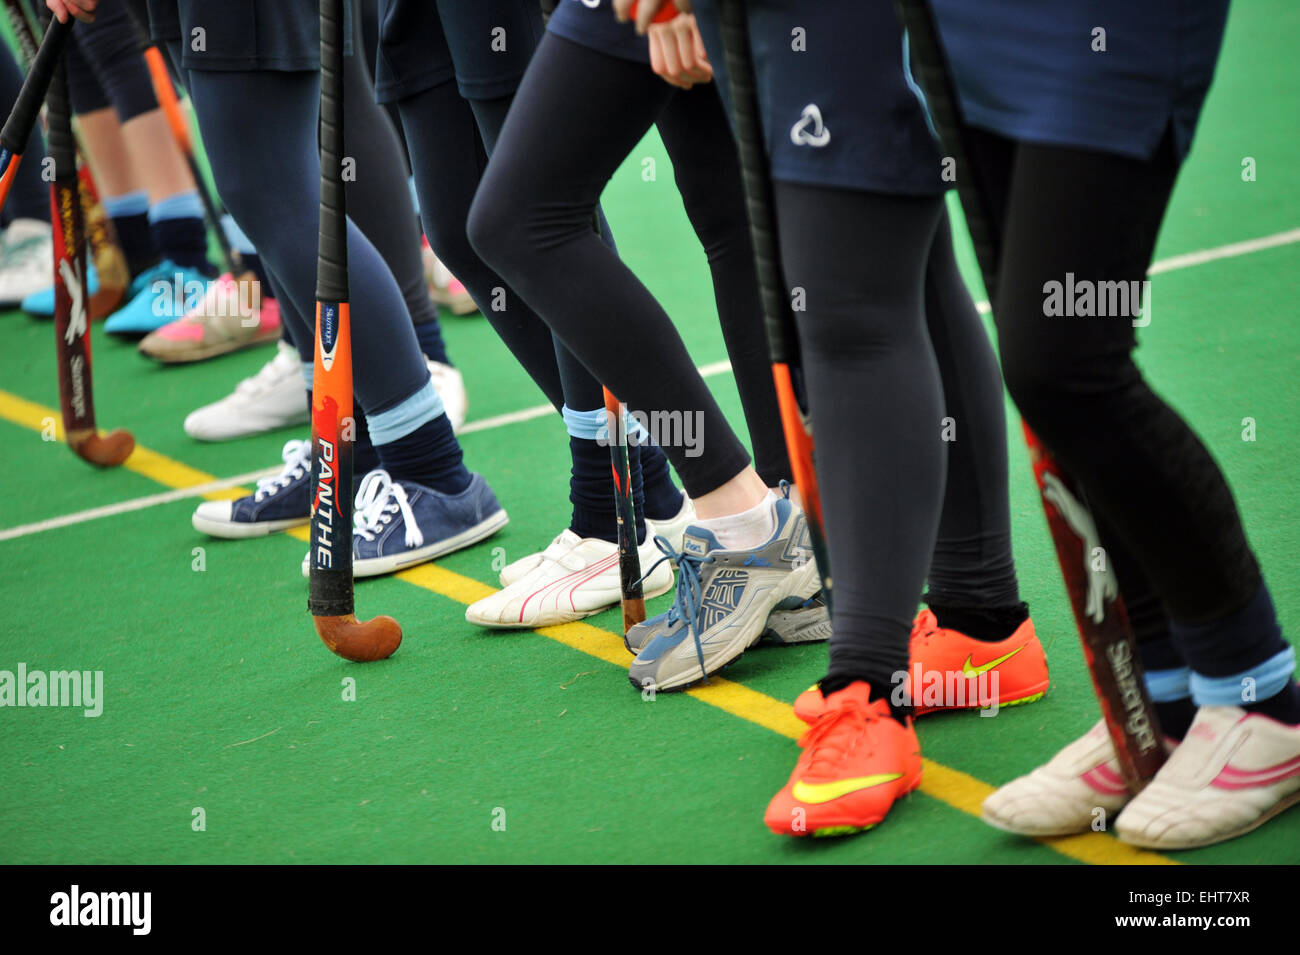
[429, 455]
[1231, 644]
[1159, 653]
[663, 500]
[364, 456]
[183, 241]
[1176, 716]
[429, 335]
[591, 491]
[134, 238]
[1242, 660]
[253, 263]
[1283, 706]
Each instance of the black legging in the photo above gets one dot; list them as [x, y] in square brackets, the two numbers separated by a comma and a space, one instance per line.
[446, 179]
[576, 117]
[706, 168]
[1158, 492]
[379, 199]
[877, 406]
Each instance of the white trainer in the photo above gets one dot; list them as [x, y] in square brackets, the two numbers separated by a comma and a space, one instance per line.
[672, 529]
[275, 397]
[450, 386]
[1063, 796]
[573, 578]
[1234, 771]
[26, 254]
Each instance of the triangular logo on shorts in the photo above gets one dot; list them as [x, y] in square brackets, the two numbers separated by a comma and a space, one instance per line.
[810, 131]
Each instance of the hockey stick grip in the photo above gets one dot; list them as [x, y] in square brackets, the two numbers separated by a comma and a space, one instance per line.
[62, 143]
[22, 118]
[782, 337]
[22, 30]
[332, 263]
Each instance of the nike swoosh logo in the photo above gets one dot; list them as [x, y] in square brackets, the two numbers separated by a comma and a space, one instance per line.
[825, 792]
[970, 670]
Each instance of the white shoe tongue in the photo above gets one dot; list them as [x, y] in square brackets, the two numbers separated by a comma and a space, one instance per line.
[695, 544]
[564, 542]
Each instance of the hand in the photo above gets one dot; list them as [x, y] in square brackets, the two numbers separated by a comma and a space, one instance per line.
[645, 11]
[677, 53]
[83, 10]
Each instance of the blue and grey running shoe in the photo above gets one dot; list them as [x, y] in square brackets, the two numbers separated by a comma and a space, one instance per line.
[279, 503]
[398, 524]
[723, 601]
[796, 620]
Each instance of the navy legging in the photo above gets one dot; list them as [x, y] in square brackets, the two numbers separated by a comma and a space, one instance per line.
[29, 198]
[260, 132]
[531, 220]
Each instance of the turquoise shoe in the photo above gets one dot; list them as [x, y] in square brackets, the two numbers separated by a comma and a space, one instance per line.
[160, 294]
[41, 304]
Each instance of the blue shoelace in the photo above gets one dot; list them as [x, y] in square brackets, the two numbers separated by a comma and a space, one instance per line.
[686, 599]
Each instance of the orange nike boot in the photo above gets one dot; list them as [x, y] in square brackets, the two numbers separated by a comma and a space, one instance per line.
[856, 761]
[951, 671]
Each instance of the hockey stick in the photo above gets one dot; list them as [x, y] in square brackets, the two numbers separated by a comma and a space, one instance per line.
[22, 118]
[332, 422]
[782, 335]
[1099, 611]
[71, 320]
[110, 261]
[631, 594]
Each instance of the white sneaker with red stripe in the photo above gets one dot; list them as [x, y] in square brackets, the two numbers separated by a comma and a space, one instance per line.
[574, 578]
[1234, 771]
[673, 529]
[1081, 784]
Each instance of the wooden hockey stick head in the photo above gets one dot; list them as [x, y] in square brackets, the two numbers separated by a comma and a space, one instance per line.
[357, 640]
[102, 450]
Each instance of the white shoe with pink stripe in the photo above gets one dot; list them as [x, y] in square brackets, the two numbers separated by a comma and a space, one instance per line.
[1234, 771]
[1078, 790]
[573, 578]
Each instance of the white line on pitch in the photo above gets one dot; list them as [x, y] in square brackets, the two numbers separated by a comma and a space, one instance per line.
[1229, 251]
[1188, 259]
[136, 504]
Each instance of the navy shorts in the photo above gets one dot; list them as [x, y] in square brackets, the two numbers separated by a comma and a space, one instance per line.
[244, 35]
[1042, 71]
[484, 45]
[591, 23]
[839, 107]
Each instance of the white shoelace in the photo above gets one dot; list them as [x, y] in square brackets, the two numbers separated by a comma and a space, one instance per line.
[297, 462]
[378, 499]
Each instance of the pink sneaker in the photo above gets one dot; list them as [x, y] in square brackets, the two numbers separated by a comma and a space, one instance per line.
[232, 315]
[445, 288]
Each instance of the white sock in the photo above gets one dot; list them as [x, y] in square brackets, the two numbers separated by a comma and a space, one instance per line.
[746, 530]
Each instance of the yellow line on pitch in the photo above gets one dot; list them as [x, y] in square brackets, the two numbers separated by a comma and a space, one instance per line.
[948, 785]
[146, 463]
